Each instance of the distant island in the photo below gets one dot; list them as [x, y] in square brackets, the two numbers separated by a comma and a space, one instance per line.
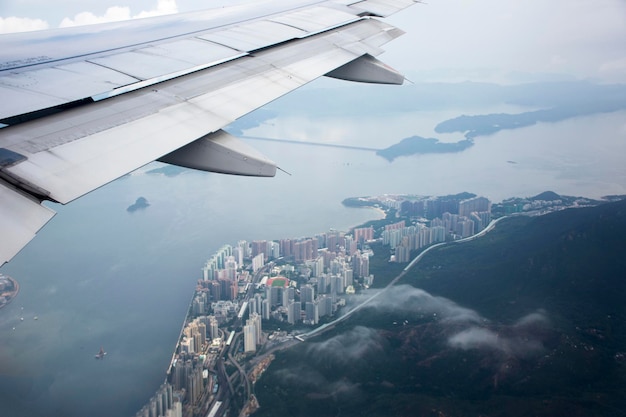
[8, 289]
[548, 102]
[140, 203]
[420, 145]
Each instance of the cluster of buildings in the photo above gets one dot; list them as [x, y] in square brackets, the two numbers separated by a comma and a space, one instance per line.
[461, 218]
[307, 280]
[304, 283]
[322, 268]
[163, 404]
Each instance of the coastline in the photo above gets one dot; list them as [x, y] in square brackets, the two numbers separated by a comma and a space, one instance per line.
[10, 294]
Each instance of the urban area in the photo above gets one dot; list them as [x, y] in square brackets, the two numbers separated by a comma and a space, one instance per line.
[256, 297]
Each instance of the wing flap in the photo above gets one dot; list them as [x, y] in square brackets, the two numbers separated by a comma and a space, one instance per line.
[255, 35]
[74, 152]
[83, 106]
[20, 219]
[382, 8]
[315, 19]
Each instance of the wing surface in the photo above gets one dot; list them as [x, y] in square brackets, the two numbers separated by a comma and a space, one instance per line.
[83, 106]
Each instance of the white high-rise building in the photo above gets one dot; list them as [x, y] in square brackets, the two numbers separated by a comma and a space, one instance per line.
[249, 338]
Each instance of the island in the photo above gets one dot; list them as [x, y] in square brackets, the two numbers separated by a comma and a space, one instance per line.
[8, 289]
[140, 203]
[420, 145]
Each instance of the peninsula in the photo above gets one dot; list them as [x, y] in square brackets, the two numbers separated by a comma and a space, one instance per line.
[256, 299]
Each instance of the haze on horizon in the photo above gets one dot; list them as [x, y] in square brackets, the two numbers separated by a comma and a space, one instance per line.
[454, 40]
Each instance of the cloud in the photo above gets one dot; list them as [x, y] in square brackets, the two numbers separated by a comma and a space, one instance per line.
[410, 299]
[118, 13]
[352, 345]
[469, 329]
[520, 340]
[21, 24]
[475, 338]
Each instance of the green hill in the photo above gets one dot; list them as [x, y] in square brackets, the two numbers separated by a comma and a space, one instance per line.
[529, 320]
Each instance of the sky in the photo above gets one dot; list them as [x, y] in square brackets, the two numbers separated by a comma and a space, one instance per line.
[480, 40]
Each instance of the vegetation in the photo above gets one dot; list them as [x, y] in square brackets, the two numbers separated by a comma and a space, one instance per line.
[562, 273]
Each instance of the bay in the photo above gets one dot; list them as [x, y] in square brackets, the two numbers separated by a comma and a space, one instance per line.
[99, 275]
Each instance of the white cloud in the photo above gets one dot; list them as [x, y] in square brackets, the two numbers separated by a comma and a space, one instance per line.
[163, 7]
[411, 299]
[475, 338]
[21, 24]
[349, 346]
[117, 13]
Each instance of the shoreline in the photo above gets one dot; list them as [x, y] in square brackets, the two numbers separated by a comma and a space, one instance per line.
[12, 294]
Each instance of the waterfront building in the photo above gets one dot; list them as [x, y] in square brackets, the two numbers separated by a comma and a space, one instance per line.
[197, 305]
[363, 234]
[195, 385]
[230, 266]
[332, 241]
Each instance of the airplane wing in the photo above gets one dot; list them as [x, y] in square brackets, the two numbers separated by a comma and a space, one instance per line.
[83, 106]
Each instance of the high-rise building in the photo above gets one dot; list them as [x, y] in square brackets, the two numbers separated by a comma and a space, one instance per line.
[312, 313]
[249, 338]
[255, 320]
[266, 309]
[213, 327]
[325, 306]
[258, 247]
[258, 261]
[336, 284]
[288, 295]
[348, 278]
[403, 254]
[274, 250]
[467, 207]
[364, 234]
[293, 312]
[307, 294]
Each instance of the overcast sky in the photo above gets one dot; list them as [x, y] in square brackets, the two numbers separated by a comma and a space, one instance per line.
[446, 39]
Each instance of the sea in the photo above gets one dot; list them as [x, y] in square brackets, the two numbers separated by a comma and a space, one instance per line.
[100, 276]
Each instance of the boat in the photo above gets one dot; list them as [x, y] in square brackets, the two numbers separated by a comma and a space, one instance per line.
[100, 354]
